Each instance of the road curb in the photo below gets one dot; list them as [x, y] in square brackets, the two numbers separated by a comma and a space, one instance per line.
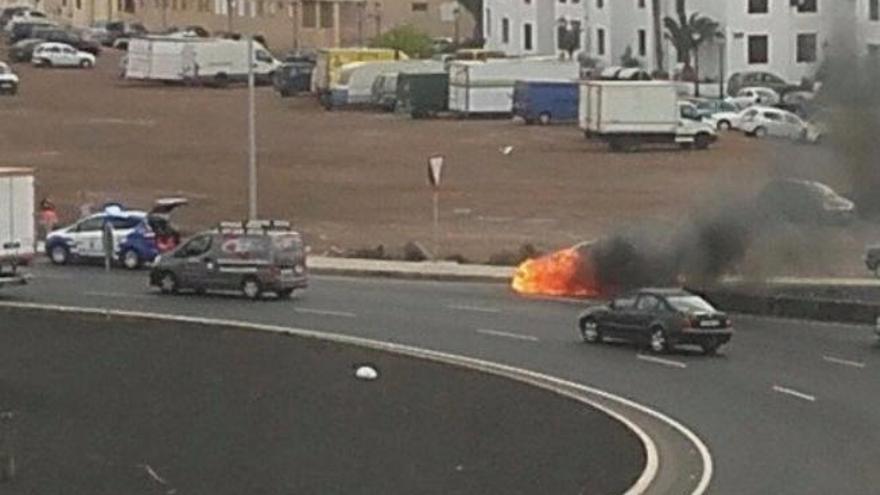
[565, 388]
[425, 276]
[787, 306]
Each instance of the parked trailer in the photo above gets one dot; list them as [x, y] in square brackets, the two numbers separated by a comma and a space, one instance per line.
[546, 101]
[487, 87]
[627, 114]
[422, 94]
[356, 79]
[331, 60]
[17, 240]
[199, 60]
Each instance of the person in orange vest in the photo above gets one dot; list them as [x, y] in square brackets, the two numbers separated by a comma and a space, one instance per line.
[48, 217]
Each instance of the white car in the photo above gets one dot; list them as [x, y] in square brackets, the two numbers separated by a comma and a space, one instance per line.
[724, 121]
[8, 80]
[766, 121]
[61, 55]
[756, 96]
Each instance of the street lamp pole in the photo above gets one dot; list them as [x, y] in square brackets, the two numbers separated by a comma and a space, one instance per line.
[722, 62]
[252, 135]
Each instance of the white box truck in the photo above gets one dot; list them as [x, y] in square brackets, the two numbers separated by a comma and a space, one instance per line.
[486, 87]
[214, 61]
[17, 240]
[627, 114]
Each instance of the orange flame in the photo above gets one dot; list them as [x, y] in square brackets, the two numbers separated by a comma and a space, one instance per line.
[564, 273]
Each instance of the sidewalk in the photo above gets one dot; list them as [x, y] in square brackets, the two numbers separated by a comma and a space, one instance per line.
[427, 270]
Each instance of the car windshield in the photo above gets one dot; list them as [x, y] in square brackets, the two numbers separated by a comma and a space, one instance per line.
[690, 304]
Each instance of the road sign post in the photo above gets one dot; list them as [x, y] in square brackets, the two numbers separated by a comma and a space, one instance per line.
[435, 168]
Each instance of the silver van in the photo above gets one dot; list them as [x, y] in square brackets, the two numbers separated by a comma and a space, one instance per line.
[252, 257]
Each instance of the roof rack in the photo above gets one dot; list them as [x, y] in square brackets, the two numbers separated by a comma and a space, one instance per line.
[254, 227]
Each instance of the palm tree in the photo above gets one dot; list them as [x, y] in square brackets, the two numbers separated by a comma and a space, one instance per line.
[687, 34]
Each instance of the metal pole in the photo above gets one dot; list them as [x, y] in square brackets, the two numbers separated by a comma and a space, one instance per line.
[252, 135]
[436, 199]
[721, 68]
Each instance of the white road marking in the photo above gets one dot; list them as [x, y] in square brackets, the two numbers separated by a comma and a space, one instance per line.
[844, 362]
[509, 335]
[477, 309]
[664, 362]
[325, 312]
[794, 393]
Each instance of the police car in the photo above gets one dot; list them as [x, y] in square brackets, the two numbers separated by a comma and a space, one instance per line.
[138, 236]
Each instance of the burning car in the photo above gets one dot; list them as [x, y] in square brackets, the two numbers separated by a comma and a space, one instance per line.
[658, 318]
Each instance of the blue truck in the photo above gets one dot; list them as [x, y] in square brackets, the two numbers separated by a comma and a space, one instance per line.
[546, 102]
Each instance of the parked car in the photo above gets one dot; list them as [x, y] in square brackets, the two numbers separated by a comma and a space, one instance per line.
[384, 91]
[23, 50]
[774, 122]
[292, 78]
[23, 30]
[120, 32]
[755, 96]
[8, 80]
[25, 16]
[804, 201]
[546, 102]
[74, 39]
[659, 318]
[758, 79]
[139, 237]
[724, 121]
[421, 94]
[252, 257]
[61, 55]
[707, 107]
[7, 13]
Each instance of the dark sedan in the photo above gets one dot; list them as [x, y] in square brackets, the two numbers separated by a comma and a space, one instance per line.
[660, 319]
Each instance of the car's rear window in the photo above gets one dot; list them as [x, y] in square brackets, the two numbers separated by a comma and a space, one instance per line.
[690, 303]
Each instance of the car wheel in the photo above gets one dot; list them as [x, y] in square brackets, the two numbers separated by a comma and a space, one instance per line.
[85, 64]
[723, 125]
[659, 343]
[590, 331]
[168, 283]
[760, 132]
[131, 259]
[701, 141]
[59, 254]
[251, 288]
[285, 293]
[544, 118]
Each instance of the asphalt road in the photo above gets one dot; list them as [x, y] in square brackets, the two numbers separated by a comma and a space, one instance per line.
[788, 408]
[143, 407]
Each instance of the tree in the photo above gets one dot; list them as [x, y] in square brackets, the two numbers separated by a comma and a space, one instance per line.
[475, 7]
[687, 34]
[628, 60]
[659, 62]
[569, 37]
[407, 39]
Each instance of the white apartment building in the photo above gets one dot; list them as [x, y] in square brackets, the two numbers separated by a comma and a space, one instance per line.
[787, 37]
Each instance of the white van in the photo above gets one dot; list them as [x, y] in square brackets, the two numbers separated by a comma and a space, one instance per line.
[197, 60]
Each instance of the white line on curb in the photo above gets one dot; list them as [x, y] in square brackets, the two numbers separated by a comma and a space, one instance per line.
[844, 362]
[509, 335]
[664, 362]
[118, 295]
[476, 309]
[794, 393]
[557, 385]
[325, 312]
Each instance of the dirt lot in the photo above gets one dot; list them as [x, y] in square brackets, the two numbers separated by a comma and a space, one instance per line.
[355, 179]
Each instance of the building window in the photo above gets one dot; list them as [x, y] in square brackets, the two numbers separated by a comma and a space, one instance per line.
[641, 4]
[79, 5]
[758, 49]
[807, 6]
[600, 41]
[758, 6]
[527, 37]
[643, 43]
[310, 14]
[600, 4]
[326, 15]
[806, 48]
[420, 6]
[874, 10]
[528, 2]
[575, 27]
[505, 30]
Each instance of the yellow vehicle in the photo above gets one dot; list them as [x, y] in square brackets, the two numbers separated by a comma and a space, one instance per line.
[330, 61]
